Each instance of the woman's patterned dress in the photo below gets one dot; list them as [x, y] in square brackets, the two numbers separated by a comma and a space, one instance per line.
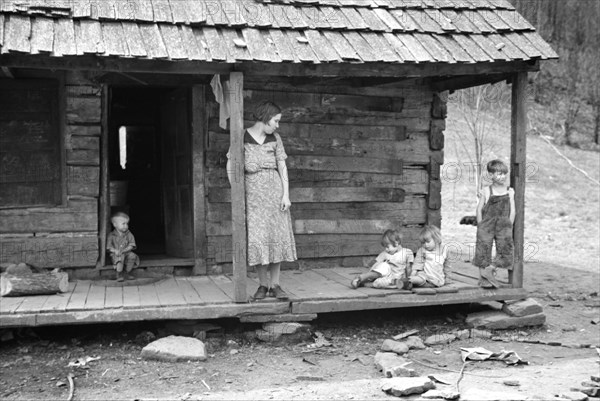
[270, 234]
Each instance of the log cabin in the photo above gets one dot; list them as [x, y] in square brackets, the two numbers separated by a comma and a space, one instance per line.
[132, 105]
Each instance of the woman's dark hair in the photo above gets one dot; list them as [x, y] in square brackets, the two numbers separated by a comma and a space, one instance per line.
[265, 111]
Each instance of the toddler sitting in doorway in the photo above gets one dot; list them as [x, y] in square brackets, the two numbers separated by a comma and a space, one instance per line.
[120, 245]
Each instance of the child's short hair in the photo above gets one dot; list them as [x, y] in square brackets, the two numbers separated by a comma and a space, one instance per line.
[431, 232]
[119, 215]
[265, 111]
[391, 237]
[497, 166]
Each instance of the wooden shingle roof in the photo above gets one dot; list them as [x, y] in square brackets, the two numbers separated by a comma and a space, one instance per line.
[297, 31]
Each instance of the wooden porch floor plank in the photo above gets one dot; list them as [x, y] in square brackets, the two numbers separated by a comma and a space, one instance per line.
[58, 302]
[207, 290]
[79, 295]
[32, 304]
[187, 290]
[96, 297]
[311, 285]
[10, 304]
[131, 297]
[342, 289]
[148, 296]
[224, 283]
[169, 293]
[114, 297]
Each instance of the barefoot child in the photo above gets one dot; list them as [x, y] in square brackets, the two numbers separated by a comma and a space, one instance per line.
[431, 264]
[120, 244]
[495, 218]
[390, 265]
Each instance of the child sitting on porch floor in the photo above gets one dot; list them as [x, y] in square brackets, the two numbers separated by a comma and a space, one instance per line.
[389, 266]
[495, 218]
[120, 244]
[431, 264]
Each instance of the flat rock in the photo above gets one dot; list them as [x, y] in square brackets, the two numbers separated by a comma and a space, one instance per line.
[475, 394]
[393, 365]
[463, 334]
[500, 320]
[525, 307]
[175, 349]
[438, 339]
[398, 347]
[414, 342]
[402, 386]
[574, 396]
[284, 332]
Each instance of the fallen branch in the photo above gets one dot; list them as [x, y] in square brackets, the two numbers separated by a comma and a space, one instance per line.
[569, 161]
[71, 386]
[460, 376]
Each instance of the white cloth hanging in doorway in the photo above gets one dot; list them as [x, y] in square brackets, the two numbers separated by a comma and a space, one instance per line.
[221, 92]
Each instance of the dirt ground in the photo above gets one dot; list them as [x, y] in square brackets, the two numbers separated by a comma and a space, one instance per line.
[562, 273]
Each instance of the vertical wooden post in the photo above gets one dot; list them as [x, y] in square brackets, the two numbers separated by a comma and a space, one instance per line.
[104, 201]
[518, 168]
[198, 117]
[238, 190]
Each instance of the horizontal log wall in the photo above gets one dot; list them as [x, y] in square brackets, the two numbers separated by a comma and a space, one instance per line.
[64, 236]
[361, 160]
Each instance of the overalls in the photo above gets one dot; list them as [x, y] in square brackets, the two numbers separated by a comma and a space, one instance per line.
[495, 225]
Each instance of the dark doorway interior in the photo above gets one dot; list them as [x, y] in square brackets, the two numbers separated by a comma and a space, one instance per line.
[135, 163]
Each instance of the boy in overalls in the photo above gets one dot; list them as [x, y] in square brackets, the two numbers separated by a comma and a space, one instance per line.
[495, 218]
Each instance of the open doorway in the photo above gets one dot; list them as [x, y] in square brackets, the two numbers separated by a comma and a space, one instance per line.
[135, 164]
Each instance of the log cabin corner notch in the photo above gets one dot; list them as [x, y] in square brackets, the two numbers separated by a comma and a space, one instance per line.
[363, 123]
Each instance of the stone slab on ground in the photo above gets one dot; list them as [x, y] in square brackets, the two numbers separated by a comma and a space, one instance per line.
[175, 349]
[438, 339]
[524, 307]
[573, 396]
[403, 386]
[398, 347]
[287, 332]
[500, 320]
[414, 342]
[444, 394]
[393, 365]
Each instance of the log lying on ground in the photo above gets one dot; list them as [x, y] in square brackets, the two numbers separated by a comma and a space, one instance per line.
[33, 284]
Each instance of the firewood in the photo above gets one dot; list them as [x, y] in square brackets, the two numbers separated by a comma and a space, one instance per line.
[33, 284]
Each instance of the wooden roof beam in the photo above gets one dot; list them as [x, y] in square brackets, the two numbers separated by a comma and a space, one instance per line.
[462, 82]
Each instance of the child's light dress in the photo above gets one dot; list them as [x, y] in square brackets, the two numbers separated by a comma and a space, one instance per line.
[429, 265]
[391, 267]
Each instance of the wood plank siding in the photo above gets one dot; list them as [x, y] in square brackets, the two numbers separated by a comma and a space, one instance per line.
[66, 235]
[360, 161]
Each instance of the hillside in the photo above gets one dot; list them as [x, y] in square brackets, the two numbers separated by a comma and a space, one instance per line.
[562, 205]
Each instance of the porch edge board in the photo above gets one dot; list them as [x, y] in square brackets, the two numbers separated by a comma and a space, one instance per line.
[407, 300]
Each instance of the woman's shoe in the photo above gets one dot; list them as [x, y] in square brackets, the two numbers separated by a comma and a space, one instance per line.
[278, 292]
[261, 292]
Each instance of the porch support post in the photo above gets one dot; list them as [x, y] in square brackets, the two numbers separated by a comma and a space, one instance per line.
[518, 169]
[238, 191]
[104, 201]
[198, 178]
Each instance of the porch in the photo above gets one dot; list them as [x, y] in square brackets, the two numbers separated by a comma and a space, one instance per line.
[210, 297]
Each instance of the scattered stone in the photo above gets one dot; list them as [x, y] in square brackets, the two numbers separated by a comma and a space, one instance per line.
[591, 391]
[574, 396]
[399, 348]
[414, 342]
[405, 334]
[463, 334]
[402, 386]
[596, 321]
[512, 383]
[525, 307]
[595, 379]
[569, 329]
[474, 394]
[393, 365]
[175, 349]
[438, 339]
[234, 351]
[500, 320]
[287, 332]
[445, 394]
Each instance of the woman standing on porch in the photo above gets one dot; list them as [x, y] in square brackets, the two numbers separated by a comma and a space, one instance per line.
[269, 223]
